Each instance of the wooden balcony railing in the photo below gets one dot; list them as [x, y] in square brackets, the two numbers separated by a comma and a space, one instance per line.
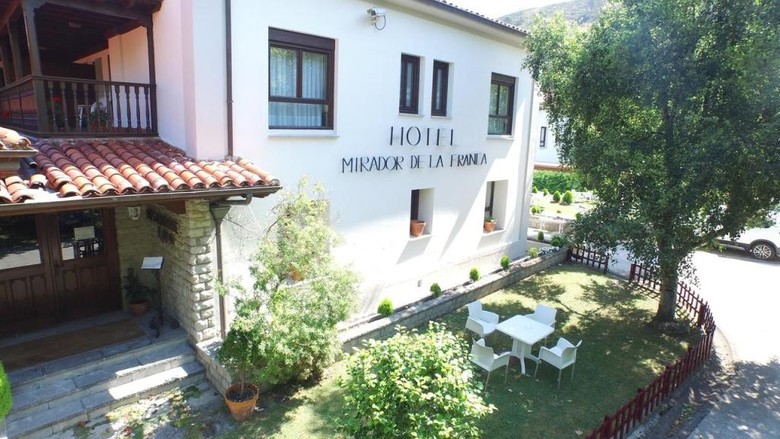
[49, 106]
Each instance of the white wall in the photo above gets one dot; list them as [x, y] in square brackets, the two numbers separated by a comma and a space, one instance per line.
[548, 154]
[369, 209]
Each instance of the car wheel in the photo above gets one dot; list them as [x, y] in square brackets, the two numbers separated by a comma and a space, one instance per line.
[762, 250]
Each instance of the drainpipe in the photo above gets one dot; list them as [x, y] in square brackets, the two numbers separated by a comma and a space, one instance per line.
[229, 75]
[219, 211]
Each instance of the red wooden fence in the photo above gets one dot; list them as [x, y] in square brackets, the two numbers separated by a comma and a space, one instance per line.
[589, 258]
[621, 423]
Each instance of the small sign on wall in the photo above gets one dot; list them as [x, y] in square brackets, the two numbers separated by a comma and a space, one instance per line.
[80, 233]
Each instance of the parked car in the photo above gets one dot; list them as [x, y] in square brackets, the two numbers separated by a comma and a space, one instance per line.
[762, 242]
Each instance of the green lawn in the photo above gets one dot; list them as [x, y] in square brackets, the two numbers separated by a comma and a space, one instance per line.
[618, 356]
[563, 210]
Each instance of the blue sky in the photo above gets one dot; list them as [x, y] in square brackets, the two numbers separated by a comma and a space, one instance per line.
[497, 8]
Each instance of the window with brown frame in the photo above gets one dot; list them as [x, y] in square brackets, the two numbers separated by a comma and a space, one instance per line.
[543, 138]
[502, 98]
[300, 81]
[410, 84]
[441, 72]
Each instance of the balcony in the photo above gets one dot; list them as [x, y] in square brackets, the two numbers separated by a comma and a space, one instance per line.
[47, 106]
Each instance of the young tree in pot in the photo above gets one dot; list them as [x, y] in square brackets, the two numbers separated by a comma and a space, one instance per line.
[240, 355]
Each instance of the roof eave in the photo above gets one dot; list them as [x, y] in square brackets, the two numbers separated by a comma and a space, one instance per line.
[77, 203]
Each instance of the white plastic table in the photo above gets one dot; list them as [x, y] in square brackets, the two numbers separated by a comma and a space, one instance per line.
[524, 332]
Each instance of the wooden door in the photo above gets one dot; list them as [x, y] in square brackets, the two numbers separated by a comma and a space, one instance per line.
[70, 272]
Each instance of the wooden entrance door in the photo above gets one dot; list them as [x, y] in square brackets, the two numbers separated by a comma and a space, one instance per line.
[57, 267]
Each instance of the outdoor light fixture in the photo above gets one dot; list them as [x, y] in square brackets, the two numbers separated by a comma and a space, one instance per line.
[134, 212]
[375, 14]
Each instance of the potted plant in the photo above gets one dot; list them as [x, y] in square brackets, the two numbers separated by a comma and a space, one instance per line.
[239, 354]
[98, 118]
[416, 227]
[137, 294]
[5, 399]
[490, 224]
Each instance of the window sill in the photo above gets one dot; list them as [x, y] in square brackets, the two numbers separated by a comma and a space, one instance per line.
[303, 133]
[494, 232]
[417, 115]
[500, 137]
[445, 117]
[420, 238]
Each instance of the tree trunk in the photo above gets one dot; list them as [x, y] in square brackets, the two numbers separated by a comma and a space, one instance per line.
[668, 298]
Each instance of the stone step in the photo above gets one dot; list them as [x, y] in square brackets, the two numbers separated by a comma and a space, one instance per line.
[38, 396]
[81, 363]
[92, 406]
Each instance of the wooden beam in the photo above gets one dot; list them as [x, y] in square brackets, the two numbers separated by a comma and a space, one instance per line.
[7, 61]
[152, 78]
[28, 13]
[16, 51]
[103, 8]
[13, 6]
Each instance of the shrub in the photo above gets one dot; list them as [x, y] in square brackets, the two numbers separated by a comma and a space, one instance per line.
[556, 197]
[286, 331]
[556, 180]
[505, 262]
[568, 197]
[540, 236]
[533, 252]
[5, 394]
[534, 190]
[385, 308]
[435, 289]
[546, 192]
[535, 210]
[412, 385]
[474, 274]
[558, 241]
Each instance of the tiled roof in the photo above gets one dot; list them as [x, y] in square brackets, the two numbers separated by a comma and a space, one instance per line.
[478, 16]
[91, 168]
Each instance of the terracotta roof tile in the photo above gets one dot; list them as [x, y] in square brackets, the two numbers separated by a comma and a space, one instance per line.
[110, 167]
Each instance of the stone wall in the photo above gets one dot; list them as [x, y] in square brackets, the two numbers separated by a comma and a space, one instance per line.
[130, 247]
[187, 276]
[449, 301]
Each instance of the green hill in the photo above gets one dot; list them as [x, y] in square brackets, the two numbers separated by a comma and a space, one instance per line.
[580, 11]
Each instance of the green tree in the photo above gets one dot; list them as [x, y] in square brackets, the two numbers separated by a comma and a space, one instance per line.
[287, 323]
[670, 111]
[413, 386]
[5, 394]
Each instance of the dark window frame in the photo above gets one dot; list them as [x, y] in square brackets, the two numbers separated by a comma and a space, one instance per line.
[543, 138]
[445, 69]
[304, 43]
[412, 107]
[503, 81]
[414, 211]
[491, 193]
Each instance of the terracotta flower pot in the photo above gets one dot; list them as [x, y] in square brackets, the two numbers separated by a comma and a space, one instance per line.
[416, 227]
[241, 406]
[138, 308]
[489, 226]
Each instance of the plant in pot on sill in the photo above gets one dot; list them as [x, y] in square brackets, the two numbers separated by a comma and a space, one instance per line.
[137, 294]
[490, 224]
[416, 227]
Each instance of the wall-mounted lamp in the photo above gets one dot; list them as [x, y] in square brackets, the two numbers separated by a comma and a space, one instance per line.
[375, 15]
[134, 212]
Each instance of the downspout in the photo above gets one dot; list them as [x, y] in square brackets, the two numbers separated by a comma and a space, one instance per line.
[219, 211]
[229, 75]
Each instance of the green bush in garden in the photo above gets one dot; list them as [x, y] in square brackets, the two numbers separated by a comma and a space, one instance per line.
[5, 394]
[413, 385]
[474, 274]
[556, 197]
[545, 192]
[534, 190]
[505, 262]
[385, 308]
[435, 289]
[567, 198]
[558, 241]
[556, 180]
[533, 252]
[536, 210]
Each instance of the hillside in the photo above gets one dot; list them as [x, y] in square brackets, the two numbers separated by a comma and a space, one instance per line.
[580, 11]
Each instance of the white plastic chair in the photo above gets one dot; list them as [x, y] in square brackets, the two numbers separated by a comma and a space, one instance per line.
[562, 355]
[480, 321]
[543, 314]
[485, 358]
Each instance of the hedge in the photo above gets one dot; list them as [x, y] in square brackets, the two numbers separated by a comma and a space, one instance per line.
[5, 394]
[556, 181]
